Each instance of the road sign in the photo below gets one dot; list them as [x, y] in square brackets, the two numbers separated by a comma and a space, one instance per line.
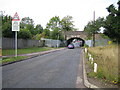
[16, 27]
[16, 23]
[16, 17]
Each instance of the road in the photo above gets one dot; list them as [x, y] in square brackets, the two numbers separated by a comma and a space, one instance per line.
[58, 69]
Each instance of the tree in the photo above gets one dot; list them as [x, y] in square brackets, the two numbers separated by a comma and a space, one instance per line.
[54, 27]
[46, 33]
[27, 23]
[54, 23]
[24, 34]
[66, 24]
[7, 26]
[93, 27]
[38, 29]
[112, 23]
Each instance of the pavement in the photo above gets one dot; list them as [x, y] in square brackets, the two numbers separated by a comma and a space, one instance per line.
[86, 82]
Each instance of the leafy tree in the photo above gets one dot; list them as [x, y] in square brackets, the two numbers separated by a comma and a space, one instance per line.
[55, 34]
[39, 36]
[66, 24]
[54, 23]
[7, 26]
[38, 29]
[46, 33]
[27, 23]
[54, 27]
[112, 23]
[94, 27]
[30, 28]
[24, 34]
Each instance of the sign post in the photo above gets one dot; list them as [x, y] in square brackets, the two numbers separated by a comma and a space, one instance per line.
[16, 27]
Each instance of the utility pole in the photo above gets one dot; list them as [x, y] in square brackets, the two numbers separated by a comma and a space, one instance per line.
[94, 31]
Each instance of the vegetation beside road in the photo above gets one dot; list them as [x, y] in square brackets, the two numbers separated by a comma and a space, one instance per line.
[107, 60]
[21, 51]
[25, 50]
[12, 59]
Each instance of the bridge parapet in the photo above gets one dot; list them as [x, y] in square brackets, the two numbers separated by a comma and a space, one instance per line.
[79, 34]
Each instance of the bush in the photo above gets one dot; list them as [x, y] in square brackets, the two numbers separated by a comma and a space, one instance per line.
[85, 45]
[24, 34]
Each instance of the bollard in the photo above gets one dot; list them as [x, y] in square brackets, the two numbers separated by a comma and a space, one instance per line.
[85, 50]
[91, 60]
[95, 67]
[90, 57]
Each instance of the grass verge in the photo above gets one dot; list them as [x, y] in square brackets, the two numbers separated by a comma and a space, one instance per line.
[107, 60]
[12, 59]
[25, 50]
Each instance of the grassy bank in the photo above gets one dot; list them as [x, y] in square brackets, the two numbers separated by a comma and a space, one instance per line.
[12, 59]
[21, 51]
[25, 50]
[107, 60]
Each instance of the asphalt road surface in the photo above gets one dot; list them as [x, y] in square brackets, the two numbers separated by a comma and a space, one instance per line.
[58, 69]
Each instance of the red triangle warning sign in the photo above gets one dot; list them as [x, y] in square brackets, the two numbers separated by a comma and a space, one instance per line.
[15, 17]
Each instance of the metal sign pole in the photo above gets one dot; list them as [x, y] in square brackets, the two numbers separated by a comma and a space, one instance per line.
[15, 27]
[15, 43]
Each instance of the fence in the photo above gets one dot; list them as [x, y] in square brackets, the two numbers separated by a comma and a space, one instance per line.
[9, 43]
[0, 42]
[101, 42]
[98, 42]
[53, 43]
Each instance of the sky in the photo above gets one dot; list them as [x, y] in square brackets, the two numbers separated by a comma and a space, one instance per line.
[41, 11]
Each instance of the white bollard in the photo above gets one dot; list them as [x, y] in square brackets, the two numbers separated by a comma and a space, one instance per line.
[95, 67]
[91, 60]
[85, 50]
[90, 57]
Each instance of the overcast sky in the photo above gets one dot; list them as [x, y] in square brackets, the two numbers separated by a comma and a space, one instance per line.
[42, 10]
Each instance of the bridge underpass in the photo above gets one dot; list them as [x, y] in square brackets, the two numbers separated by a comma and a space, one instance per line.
[76, 40]
[75, 36]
